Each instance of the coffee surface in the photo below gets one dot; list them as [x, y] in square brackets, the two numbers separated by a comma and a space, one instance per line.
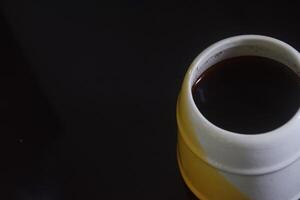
[248, 94]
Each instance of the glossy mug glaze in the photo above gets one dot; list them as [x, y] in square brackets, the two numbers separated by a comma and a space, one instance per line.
[219, 164]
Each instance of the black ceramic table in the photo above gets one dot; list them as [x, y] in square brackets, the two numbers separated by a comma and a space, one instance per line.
[88, 91]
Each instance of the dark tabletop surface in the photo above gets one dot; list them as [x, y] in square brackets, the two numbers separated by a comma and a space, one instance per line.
[89, 88]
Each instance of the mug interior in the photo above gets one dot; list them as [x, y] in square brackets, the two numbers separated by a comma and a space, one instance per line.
[250, 45]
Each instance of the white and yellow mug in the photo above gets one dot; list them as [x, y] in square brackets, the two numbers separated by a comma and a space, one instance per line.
[217, 164]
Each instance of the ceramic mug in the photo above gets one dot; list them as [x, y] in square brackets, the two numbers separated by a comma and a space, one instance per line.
[218, 164]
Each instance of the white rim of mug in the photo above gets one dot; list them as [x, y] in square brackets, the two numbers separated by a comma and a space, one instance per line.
[235, 136]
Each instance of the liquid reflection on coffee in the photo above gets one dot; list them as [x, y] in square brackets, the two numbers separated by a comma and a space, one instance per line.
[248, 94]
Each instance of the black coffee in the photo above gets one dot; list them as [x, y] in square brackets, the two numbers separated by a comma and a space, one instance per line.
[248, 94]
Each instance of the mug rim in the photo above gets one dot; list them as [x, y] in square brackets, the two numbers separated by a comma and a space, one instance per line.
[207, 52]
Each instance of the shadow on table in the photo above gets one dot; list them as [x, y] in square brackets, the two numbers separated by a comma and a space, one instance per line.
[29, 126]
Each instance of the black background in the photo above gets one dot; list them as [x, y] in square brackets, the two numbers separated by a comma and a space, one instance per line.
[88, 90]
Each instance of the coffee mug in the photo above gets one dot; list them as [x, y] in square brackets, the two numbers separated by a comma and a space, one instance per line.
[219, 164]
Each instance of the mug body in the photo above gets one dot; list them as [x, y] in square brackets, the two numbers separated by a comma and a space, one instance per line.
[219, 164]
